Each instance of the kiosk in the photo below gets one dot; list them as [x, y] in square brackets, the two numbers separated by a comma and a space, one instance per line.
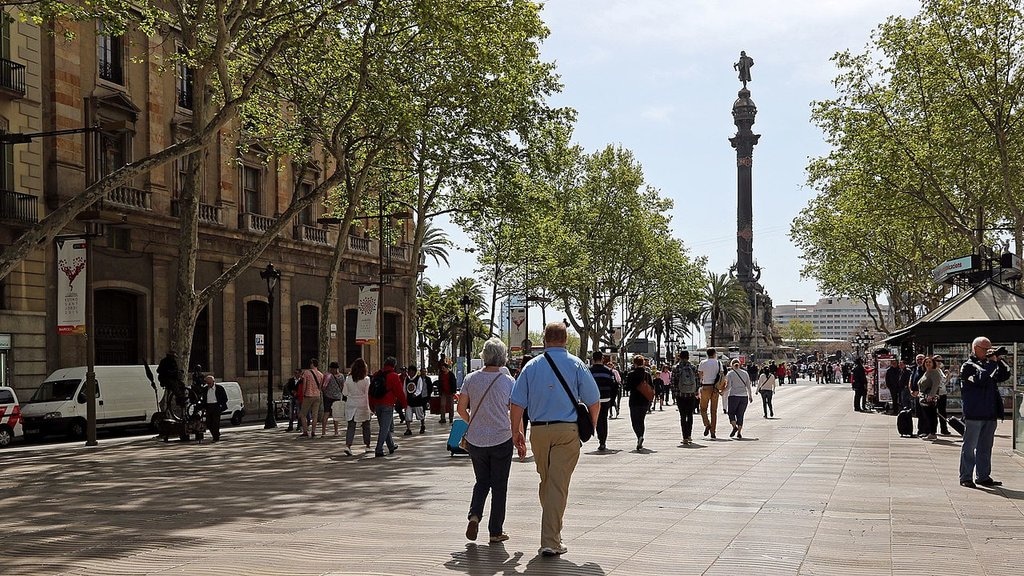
[990, 309]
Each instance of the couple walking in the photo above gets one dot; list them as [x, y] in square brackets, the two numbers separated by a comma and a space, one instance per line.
[493, 404]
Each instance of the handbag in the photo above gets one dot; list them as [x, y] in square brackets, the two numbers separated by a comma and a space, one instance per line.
[464, 444]
[721, 383]
[584, 425]
[645, 390]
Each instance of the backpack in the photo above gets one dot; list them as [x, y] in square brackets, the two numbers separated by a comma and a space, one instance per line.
[684, 379]
[378, 385]
[333, 389]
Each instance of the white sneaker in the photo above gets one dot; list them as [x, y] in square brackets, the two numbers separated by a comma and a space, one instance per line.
[547, 551]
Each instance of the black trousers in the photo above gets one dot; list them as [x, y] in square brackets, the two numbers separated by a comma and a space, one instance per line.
[941, 410]
[602, 422]
[638, 407]
[687, 405]
[766, 402]
[491, 467]
[860, 396]
[213, 420]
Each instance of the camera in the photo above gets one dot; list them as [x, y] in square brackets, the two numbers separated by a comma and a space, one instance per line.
[1001, 351]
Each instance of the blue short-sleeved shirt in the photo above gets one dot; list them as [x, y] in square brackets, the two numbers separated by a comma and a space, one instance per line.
[537, 389]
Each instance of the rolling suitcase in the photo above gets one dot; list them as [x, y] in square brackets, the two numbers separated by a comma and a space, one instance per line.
[455, 436]
[905, 423]
[956, 424]
[435, 404]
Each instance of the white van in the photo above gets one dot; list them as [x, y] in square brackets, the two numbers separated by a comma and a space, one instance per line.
[124, 398]
[236, 406]
[10, 416]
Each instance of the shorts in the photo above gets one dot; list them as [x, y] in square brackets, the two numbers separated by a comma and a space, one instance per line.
[327, 405]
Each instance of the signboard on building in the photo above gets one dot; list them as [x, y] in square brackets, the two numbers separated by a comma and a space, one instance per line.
[950, 268]
[5, 341]
[71, 273]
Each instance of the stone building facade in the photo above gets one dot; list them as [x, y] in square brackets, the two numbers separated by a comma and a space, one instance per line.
[123, 86]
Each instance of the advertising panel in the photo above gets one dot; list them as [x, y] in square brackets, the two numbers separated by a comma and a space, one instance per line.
[71, 273]
[366, 323]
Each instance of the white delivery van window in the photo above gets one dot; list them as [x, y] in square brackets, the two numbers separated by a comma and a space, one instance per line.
[56, 391]
[6, 397]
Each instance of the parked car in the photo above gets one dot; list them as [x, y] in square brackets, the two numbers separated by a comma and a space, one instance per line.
[236, 406]
[10, 416]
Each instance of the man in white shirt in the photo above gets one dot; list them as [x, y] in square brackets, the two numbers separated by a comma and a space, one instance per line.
[708, 373]
[417, 390]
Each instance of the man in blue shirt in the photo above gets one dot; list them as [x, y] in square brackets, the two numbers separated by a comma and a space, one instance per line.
[554, 436]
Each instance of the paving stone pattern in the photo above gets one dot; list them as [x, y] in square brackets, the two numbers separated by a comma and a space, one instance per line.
[817, 490]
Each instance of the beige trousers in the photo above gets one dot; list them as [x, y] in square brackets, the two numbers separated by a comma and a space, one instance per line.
[556, 449]
[709, 395]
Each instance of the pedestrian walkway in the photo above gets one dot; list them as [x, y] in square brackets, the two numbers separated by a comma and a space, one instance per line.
[818, 490]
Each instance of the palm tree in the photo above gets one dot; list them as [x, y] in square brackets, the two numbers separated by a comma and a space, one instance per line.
[724, 302]
[435, 244]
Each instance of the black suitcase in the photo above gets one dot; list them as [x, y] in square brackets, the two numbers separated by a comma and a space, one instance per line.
[956, 424]
[905, 423]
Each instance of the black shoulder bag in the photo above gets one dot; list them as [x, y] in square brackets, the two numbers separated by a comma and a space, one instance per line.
[584, 424]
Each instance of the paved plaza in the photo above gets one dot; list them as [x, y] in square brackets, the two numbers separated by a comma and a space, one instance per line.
[818, 490]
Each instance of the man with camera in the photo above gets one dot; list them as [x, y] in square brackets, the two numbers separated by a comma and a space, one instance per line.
[979, 379]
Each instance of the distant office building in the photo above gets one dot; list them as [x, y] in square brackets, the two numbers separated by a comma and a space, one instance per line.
[832, 318]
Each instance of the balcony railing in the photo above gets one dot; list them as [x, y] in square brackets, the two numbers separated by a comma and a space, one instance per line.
[129, 197]
[208, 213]
[255, 222]
[12, 77]
[357, 244]
[311, 234]
[400, 253]
[18, 207]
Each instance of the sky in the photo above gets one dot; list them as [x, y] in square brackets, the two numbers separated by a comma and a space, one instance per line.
[656, 77]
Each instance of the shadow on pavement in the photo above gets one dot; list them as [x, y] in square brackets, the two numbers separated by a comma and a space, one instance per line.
[484, 560]
[559, 566]
[70, 503]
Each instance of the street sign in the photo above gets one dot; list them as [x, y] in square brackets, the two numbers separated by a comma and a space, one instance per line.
[5, 341]
[951, 268]
[259, 344]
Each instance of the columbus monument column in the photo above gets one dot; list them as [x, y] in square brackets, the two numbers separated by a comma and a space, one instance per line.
[757, 338]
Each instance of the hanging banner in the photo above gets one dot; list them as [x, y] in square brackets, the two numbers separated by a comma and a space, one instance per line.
[517, 328]
[71, 268]
[366, 325]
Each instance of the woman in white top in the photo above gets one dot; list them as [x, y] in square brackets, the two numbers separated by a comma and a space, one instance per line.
[740, 395]
[357, 404]
[484, 405]
[766, 388]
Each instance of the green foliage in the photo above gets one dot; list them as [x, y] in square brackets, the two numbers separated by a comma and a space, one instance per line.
[724, 302]
[798, 332]
[925, 136]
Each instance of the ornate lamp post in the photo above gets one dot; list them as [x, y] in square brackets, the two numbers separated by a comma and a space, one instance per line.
[467, 304]
[271, 275]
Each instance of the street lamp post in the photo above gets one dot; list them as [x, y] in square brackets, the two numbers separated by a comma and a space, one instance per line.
[467, 304]
[270, 275]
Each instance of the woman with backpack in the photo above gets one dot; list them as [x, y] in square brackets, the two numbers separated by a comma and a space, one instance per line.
[357, 404]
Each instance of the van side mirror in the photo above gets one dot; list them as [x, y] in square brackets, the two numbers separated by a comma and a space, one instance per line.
[81, 398]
